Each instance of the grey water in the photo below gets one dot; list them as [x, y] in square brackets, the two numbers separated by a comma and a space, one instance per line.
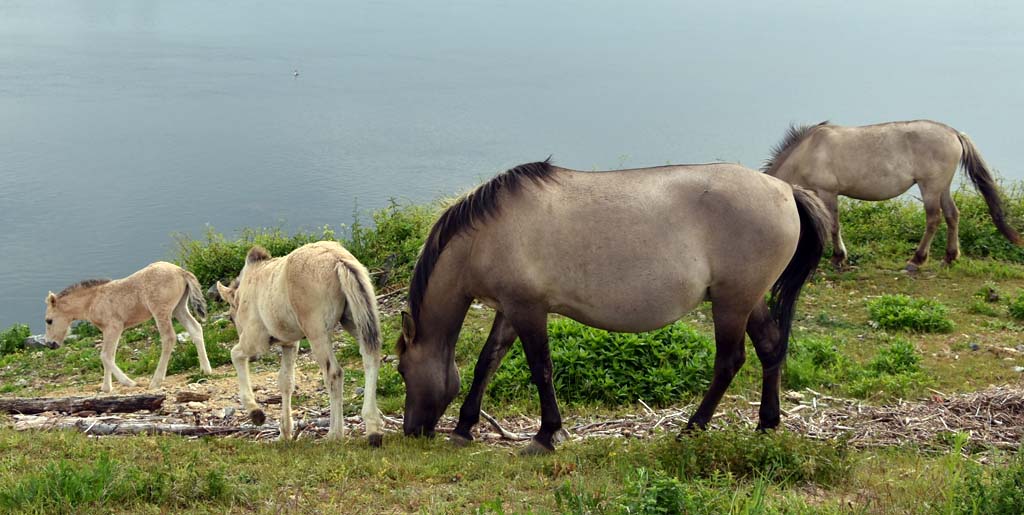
[123, 122]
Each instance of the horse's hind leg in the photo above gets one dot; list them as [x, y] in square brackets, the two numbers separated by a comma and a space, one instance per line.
[952, 215]
[498, 342]
[333, 374]
[531, 326]
[831, 201]
[286, 383]
[764, 332]
[195, 330]
[371, 371]
[730, 323]
[932, 204]
[167, 341]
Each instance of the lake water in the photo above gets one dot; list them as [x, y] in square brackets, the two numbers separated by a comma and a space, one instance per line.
[122, 122]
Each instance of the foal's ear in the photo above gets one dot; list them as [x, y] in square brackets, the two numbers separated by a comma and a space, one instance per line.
[51, 299]
[257, 254]
[226, 293]
[408, 327]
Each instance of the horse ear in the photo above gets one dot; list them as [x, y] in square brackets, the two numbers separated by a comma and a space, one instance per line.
[257, 254]
[408, 327]
[51, 299]
[227, 294]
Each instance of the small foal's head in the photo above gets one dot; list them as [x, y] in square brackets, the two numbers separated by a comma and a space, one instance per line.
[58, 322]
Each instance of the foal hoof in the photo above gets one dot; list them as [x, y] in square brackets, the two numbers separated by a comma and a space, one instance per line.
[536, 448]
[911, 268]
[376, 440]
[257, 417]
[458, 440]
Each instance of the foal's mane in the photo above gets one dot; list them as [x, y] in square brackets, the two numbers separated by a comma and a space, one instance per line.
[794, 135]
[82, 285]
[474, 207]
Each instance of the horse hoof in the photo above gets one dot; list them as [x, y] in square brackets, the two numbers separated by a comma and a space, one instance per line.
[911, 268]
[458, 440]
[257, 417]
[536, 449]
[376, 440]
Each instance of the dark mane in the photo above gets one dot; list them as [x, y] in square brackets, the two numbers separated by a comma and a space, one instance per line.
[81, 285]
[471, 209]
[794, 135]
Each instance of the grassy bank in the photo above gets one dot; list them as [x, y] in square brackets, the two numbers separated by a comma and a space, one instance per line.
[872, 333]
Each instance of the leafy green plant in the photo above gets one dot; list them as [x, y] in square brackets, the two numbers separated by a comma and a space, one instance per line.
[595, 366]
[1016, 307]
[391, 245]
[815, 362]
[12, 339]
[895, 370]
[906, 313]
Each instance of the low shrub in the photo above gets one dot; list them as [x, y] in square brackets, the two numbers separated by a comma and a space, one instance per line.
[999, 492]
[12, 339]
[595, 366]
[902, 312]
[814, 363]
[1016, 307]
[391, 245]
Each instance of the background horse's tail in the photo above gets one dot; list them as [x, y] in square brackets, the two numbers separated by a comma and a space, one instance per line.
[195, 294]
[358, 290]
[977, 170]
[815, 221]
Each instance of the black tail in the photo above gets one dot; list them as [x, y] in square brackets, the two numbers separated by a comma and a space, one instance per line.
[815, 221]
[977, 170]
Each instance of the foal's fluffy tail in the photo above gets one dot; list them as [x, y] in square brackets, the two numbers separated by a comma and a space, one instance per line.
[195, 294]
[362, 303]
[815, 221]
[977, 170]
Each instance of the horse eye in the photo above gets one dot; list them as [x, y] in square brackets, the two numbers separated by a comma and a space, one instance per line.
[49, 321]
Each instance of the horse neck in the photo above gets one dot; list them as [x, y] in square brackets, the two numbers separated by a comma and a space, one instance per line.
[77, 304]
[445, 303]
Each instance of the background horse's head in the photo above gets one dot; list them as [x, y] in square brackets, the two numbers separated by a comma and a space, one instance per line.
[58, 322]
[431, 379]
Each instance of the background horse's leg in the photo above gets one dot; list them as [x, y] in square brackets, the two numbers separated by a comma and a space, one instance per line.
[952, 215]
[167, 341]
[286, 384]
[498, 342]
[831, 201]
[764, 332]
[730, 324]
[195, 331]
[111, 335]
[932, 205]
[531, 325]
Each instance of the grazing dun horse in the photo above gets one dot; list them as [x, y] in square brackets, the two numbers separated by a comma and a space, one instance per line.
[628, 251]
[305, 294]
[159, 291]
[879, 162]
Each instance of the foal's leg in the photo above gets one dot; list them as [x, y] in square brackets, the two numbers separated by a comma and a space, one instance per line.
[932, 204]
[730, 354]
[195, 330]
[371, 371]
[249, 345]
[498, 342]
[952, 215]
[286, 383]
[831, 201]
[167, 341]
[111, 335]
[764, 332]
[531, 325]
[334, 375]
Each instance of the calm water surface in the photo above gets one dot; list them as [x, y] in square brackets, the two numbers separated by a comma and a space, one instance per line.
[122, 122]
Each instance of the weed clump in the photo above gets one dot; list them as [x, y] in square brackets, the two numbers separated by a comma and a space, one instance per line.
[599, 367]
[1016, 307]
[12, 339]
[902, 312]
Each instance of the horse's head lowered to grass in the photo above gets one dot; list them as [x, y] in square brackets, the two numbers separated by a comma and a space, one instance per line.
[430, 385]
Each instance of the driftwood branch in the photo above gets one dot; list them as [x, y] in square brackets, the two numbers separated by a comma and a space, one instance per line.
[109, 404]
[501, 430]
[105, 426]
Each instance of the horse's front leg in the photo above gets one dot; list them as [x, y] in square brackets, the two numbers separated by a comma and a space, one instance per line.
[247, 347]
[111, 335]
[286, 383]
[502, 337]
[531, 326]
[167, 341]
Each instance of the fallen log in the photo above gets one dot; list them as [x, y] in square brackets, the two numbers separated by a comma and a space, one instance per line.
[108, 404]
[106, 426]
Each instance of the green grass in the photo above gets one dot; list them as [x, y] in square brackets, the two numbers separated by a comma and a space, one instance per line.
[917, 315]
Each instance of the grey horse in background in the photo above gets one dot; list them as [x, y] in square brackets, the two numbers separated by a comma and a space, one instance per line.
[879, 162]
